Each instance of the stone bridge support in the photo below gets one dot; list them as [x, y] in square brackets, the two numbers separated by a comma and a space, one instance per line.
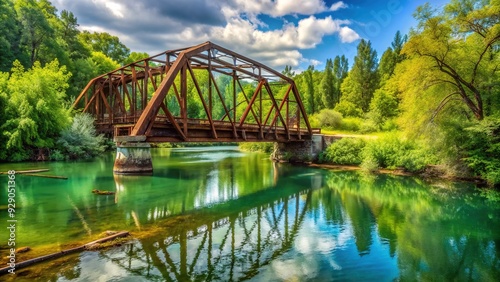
[133, 157]
[299, 151]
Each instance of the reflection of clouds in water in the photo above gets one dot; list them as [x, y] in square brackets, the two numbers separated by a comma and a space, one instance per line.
[208, 154]
[313, 248]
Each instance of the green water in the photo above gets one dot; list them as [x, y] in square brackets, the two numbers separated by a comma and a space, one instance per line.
[220, 214]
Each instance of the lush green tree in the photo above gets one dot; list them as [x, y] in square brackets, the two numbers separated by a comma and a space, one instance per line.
[383, 106]
[35, 109]
[68, 33]
[107, 44]
[10, 36]
[80, 140]
[288, 71]
[362, 80]
[483, 149]
[340, 71]
[310, 91]
[461, 43]
[35, 28]
[4, 79]
[135, 56]
[101, 63]
[327, 86]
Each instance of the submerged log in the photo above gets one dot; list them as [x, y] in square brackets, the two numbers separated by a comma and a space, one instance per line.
[26, 171]
[102, 192]
[88, 246]
[46, 176]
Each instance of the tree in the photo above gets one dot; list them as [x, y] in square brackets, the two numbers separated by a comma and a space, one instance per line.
[340, 71]
[461, 43]
[288, 71]
[309, 95]
[37, 33]
[136, 56]
[362, 80]
[68, 33]
[80, 140]
[107, 44]
[10, 36]
[328, 86]
[35, 108]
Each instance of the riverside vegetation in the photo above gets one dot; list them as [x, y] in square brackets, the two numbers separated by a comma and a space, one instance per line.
[433, 97]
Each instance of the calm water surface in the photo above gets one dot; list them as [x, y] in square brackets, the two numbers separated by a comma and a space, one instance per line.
[220, 214]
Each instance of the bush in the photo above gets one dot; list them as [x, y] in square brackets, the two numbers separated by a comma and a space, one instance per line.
[351, 124]
[346, 151]
[80, 141]
[393, 152]
[483, 149]
[348, 109]
[326, 119]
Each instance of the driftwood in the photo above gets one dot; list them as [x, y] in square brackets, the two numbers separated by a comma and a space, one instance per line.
[45, 176]
[26, 171]
[102, 192]
[88, 246]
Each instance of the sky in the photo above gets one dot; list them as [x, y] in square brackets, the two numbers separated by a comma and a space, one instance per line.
[298, 33]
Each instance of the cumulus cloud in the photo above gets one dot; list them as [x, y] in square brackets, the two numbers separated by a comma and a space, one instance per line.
[152, 26]
[278, 8]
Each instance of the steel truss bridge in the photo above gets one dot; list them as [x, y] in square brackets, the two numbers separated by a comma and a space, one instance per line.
[151, 99]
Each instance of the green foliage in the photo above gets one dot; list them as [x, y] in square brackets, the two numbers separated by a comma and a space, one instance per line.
[327, 87]
[362, 80]
[483, 149]
[10, 35]
[382, 107]
[348, 109]
[80, 140]
[35, 108]
[391, 151]
[327, 119]
[346, 151]
[265, 147]
[106, 44]
[352, 124]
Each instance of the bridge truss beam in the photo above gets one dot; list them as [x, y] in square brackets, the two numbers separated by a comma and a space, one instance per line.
[155, 97]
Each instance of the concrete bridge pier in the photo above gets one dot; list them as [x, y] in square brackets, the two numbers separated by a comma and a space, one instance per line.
[133, 157]
[299, 151]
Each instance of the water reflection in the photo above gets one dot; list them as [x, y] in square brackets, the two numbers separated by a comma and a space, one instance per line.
[241, 217]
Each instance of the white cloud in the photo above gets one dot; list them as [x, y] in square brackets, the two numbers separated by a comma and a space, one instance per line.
[280, 8]
[279, 46]
[337, 6]
[348, 35]
[235, 24]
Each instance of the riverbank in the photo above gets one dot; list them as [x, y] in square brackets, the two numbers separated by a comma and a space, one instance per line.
[429, 173]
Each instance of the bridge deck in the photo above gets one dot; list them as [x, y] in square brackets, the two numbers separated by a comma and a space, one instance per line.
[198, 130]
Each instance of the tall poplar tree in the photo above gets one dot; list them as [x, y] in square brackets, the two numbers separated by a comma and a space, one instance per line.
[328, 86]
[363, 77]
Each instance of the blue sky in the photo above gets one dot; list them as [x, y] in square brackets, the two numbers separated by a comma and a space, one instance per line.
[276, 32]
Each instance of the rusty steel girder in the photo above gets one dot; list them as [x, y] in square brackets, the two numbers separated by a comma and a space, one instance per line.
[133, 100]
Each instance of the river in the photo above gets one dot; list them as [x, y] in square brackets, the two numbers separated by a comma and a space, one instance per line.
[215, 213]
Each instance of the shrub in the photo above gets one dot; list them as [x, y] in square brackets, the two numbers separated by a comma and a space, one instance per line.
[483, 149]
[326, 118]
[348, 109]
[346, 151]
[351, 124]
[393, 152]
[80, 141]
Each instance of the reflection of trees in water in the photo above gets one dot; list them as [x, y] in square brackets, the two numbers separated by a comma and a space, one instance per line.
[437, 233]
[232, 247]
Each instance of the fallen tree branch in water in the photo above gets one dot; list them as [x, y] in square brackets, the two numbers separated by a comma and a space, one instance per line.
[88, 246]
[26, 171]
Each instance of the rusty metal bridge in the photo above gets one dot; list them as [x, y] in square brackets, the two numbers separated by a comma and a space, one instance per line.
[151, 99]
